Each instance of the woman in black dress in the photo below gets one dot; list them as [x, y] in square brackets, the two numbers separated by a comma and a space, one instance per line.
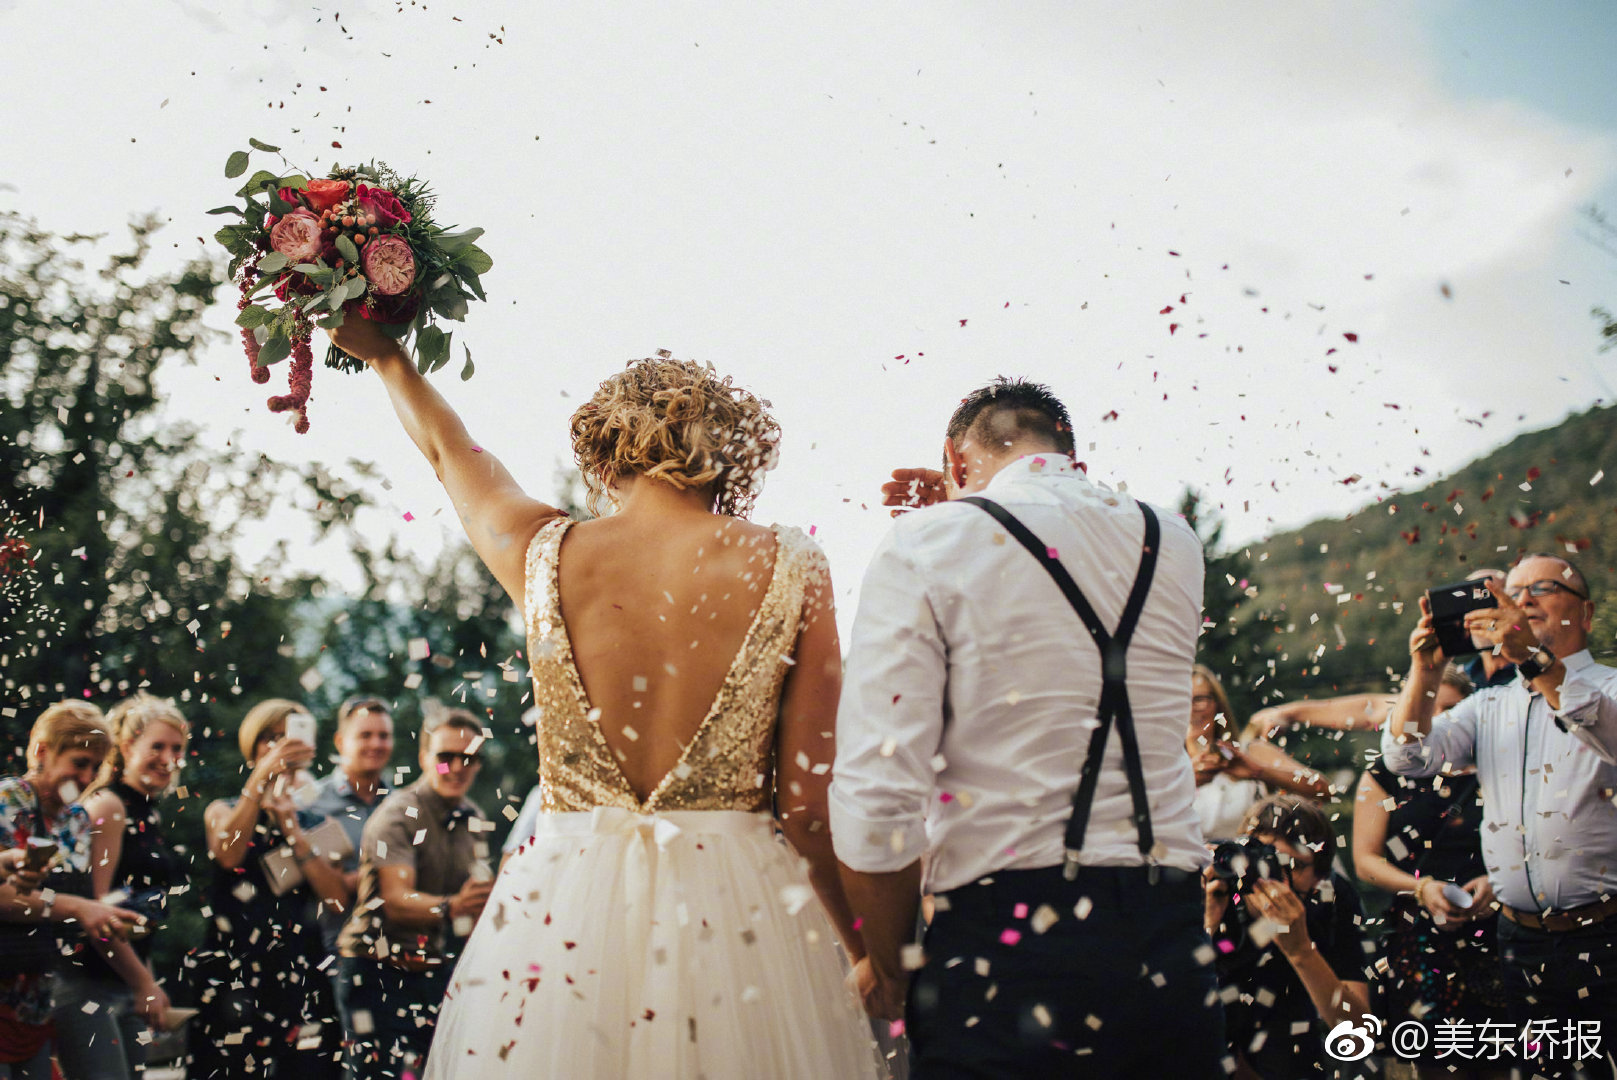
[266, 1008]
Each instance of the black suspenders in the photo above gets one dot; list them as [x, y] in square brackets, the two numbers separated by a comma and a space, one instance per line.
[1114, 694]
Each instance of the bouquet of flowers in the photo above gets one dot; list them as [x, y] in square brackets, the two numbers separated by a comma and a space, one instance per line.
[359, 243]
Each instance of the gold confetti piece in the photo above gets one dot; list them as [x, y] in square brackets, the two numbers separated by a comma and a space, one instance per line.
[1044, 918]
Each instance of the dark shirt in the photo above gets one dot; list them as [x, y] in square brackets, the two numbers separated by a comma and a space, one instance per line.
[148, 866]
[1435, 827]
[418, 828]
[1265, 1002]
[246, 918]
[1479, 675]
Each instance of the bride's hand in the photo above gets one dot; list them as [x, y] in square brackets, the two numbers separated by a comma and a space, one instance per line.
[911, 489]
[364, 340]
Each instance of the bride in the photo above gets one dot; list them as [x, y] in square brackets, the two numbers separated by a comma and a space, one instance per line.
[686, 666]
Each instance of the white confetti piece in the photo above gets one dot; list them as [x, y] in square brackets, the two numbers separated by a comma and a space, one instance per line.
[1597, 477]
[1044, 918]
[913, 957]
[889, 746]
[1083, 907]
[419, 649]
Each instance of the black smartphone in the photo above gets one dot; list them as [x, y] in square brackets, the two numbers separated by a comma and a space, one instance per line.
[1449, 604]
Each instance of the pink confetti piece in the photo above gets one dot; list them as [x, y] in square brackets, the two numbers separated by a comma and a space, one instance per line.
[409, 516]
[812, 529]
[477, 449]
[895, 1028]
[945, 797]
[1009, 936]
[858, 923]
[1054, 554]
[1020, 911]
[1225, 946]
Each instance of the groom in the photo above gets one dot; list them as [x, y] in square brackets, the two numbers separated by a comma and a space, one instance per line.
[988, 756]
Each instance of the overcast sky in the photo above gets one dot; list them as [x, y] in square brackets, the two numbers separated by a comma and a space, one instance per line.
[864, 210]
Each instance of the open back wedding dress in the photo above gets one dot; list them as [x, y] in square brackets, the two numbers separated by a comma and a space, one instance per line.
[675, 937]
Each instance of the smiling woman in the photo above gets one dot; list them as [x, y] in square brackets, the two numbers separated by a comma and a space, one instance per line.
[107, 995]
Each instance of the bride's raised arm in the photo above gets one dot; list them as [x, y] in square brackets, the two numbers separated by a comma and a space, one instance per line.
[499, 518]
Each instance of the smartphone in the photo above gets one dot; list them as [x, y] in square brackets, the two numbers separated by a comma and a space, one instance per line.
[301, 726]
[41, 850]
[1449, 604]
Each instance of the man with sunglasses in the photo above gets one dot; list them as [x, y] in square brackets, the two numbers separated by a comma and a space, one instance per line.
[1545, 747]
[423, 881]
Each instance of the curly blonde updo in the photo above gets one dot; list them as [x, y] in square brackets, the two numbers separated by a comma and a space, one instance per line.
[680, 423]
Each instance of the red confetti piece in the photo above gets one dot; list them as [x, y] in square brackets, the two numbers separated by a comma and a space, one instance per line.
[1172, 327]
[1109, 416]
[1351, 337]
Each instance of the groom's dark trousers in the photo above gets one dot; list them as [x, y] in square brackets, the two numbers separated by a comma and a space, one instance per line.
[1121, 984]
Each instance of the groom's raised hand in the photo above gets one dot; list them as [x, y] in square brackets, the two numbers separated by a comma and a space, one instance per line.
[911, 489]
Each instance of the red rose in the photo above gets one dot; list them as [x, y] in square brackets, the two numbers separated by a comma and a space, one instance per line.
[385, 205]
[324, 194]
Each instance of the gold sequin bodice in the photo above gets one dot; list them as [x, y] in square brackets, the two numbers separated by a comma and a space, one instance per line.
[729, 763]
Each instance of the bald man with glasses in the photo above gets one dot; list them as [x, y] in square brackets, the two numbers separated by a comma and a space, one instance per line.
[1545, 748]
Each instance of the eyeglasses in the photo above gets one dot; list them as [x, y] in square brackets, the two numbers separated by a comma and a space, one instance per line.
[449, 757]
[1542, 588]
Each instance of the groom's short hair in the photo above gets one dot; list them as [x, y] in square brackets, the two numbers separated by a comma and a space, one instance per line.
[1009, 410]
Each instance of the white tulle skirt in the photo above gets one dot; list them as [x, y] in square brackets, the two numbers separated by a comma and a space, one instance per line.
[677, 945]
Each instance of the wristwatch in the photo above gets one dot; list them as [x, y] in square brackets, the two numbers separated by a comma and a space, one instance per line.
[1537, 663]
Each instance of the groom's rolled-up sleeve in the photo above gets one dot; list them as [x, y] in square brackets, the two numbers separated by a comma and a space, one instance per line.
[890, 720]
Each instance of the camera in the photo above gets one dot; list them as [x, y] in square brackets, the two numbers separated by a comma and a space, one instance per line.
[1449, 604]
[1242, 863]
[1246, 861]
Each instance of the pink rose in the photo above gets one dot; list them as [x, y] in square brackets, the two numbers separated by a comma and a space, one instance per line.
[384, 204]
[297, 236]
[389, 264]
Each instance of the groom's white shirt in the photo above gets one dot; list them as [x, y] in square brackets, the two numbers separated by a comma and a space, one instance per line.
[971, 686]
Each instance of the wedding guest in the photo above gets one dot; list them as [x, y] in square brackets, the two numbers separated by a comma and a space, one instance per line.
[264, 1006]
[107, 997]
[1067, 936]
[350, 792]
[66, 747]
[1545, 750]
[423, 880]
[1232, 773]
[1421, 840]
[1283, 993]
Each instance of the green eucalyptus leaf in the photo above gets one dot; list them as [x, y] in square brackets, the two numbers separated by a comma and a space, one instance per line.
[443, 355]
[279, 206]
[315, 301]
[473, 282]
[475, 259]
[236, 164]
[296, 183]
[346, 248]
[331, 322]
[274, 351]
[252, 315]
[337, 298]
[258, 181]
[234, 238]
[225, 210]
[454, 243]
[272, 263]
[432, 348]
[396, 331]
[266, 147]
[470, 369]
[450, 306]
[355, 287]
[261, 333]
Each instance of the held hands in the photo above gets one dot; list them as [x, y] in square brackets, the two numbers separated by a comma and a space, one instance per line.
[101, 922]
[883, 998]
[1429, 892]
[912, 489]
[1504, 626]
